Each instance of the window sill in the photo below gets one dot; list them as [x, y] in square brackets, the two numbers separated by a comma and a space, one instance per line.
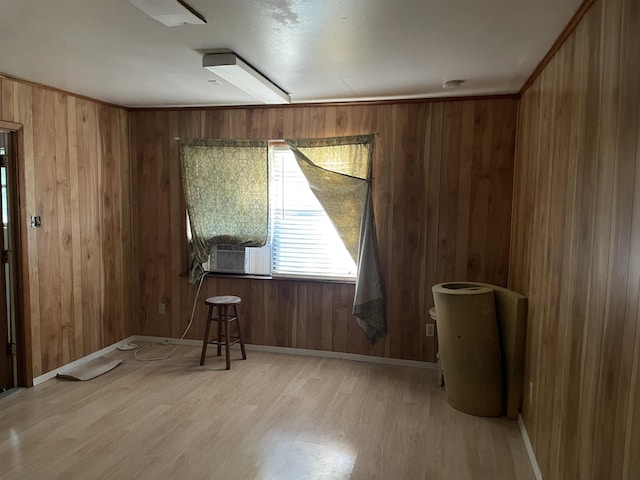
[277, 278]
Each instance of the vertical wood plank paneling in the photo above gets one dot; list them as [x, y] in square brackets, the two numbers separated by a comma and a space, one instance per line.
[72, 154]
[178, 229]
[24, 115]
[125, 261]
[574, 270]
[434, 149]
[557, 233]
[313, 316]
[341, 339]
[63, 211]
[162, 143]
[8, 99]
[426, 154]
[575, 244]
[90, 235]
[108, 176]
[145, 166]
[480, 181]
[631, 441]
[448, 200]
[76, 259]
[627, 427]
[400, 235]
[500, 192]
[45, 156]
[326, 319]
[468, 133]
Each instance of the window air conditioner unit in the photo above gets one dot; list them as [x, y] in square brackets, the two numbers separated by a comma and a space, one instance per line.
[227, 259]
[235, 259]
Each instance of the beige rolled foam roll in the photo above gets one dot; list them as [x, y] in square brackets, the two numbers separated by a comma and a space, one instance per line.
[469, 348]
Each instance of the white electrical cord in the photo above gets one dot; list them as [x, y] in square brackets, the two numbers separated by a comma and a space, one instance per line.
[193, 311]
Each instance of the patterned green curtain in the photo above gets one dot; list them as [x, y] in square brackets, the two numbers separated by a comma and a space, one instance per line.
[338, 172]
[226, 191]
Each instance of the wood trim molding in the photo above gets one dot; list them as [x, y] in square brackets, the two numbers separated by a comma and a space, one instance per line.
[9, 126]
[21, 274]
[256, 348]
[530, 452]
[59, 90]
[354, 357]
[292, 105]
[332, 104]
[568, 30]
[81, 361]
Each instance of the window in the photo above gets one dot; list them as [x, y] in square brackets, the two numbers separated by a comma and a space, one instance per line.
[303, 241]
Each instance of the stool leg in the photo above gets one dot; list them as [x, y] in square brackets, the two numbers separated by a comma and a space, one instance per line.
[221, 310]
[227, 340]
[235, 312]
[205, 342]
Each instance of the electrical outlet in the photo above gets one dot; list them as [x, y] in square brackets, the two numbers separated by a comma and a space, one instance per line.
[162, 309]
[430, 330]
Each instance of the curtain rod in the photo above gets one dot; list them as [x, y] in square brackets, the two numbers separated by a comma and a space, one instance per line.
[279, 140]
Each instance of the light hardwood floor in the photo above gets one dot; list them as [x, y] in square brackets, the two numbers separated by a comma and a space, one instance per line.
[269, 417]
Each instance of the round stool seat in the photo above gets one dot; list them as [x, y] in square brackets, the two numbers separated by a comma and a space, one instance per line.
[223, 300]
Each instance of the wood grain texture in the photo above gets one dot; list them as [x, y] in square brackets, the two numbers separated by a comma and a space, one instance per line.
[576, 248]
[559, 42]
[442, 197]
[271, 416]
[74, 171]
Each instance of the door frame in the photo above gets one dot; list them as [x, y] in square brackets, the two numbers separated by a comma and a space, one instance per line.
[18, 218]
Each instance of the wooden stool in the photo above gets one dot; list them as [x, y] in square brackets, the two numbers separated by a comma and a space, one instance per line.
[222, 304]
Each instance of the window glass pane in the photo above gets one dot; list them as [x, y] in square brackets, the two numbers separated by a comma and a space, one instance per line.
[304, 241]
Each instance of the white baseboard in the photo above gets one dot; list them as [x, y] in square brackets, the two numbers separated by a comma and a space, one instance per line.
[166, 340]
[302, 351]
[46, 376]
[258, 348]
[529, 447]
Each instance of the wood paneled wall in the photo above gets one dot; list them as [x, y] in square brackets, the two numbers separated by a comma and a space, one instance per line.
[74, 169]
[442, 197]
[576, 249]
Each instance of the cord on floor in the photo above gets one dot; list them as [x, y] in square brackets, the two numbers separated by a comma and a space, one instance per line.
[164, 357]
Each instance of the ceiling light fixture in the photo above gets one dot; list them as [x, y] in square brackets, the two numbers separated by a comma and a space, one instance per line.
[171, 13]
[239, 73]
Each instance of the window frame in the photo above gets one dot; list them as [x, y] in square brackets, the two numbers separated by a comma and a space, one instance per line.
[281, 145]
[186, 252]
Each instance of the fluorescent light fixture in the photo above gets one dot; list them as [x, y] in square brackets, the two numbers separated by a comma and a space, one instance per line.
[239, 73]
[170, 12]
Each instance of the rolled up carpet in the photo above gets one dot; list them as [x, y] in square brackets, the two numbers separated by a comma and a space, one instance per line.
[469, 348]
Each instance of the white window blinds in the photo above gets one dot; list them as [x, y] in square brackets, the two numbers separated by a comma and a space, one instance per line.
[303, 240]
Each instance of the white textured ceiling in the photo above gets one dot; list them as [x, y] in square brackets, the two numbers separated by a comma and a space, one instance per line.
[316, 50]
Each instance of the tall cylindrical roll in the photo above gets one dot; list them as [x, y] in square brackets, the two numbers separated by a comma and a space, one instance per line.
[469, 348]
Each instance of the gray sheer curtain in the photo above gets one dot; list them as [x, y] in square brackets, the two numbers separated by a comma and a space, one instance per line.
[338, 171]
[226, 191]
